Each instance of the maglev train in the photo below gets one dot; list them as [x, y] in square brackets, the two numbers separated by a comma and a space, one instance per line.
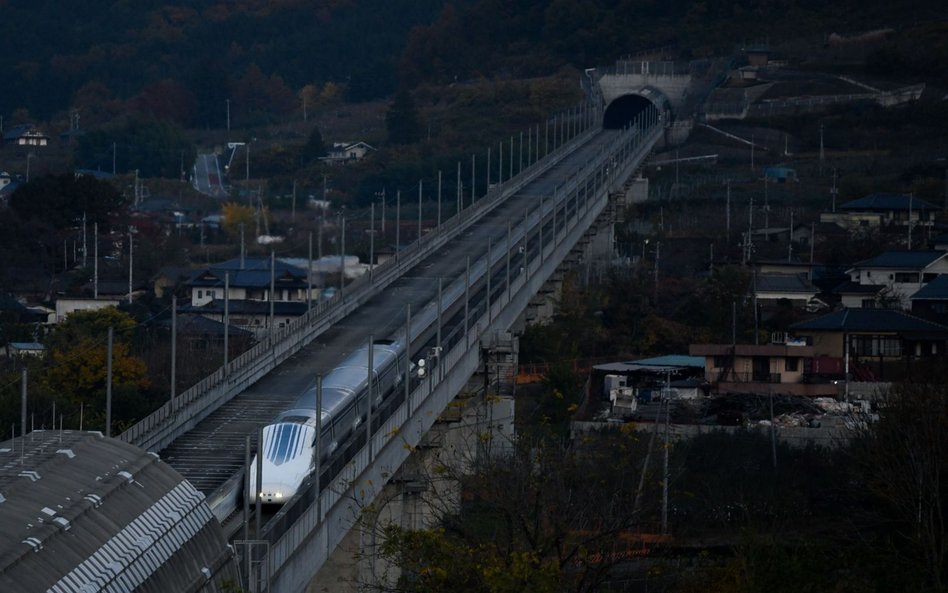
[289, 444]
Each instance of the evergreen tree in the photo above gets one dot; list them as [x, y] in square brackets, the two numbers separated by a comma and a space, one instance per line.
[314, 147]
[401, 120]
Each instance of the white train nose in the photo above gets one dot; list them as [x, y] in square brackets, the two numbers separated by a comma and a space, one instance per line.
[273, 493]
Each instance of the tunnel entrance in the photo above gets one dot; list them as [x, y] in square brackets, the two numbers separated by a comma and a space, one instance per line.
[624, 110]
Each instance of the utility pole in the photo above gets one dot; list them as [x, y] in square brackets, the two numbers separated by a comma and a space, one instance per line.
[812, 245]
[834, 191]
[174, 345]
[309, 274]
[766, 211]
[272, 288]
[243, 252]
[95, 263]
[790, 239]
[658, 251]
[908, 245]
[227, 317]
[460, 193]
[130, 265]
[822, 154]
[383, 210]
[108, 387]
[752, 151]
[23, 392]
[728, 212]
[372, 242]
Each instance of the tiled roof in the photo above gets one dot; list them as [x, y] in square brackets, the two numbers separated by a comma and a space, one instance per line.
[784, 283]
[870, 320]
[192, 325]
[902, 259]
[248, 279]
[885, 202]
[936, 290]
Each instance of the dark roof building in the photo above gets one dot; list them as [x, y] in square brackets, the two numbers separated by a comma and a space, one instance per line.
[916, 259]
[25, 135]
[931, 301]
[883, 202]
[80, 512]
[867, 320]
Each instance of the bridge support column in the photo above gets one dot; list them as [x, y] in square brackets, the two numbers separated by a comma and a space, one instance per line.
[479, 423]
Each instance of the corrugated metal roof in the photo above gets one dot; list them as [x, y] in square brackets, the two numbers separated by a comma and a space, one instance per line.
[249, 279]
[671, 362]
[784, 283]
[915, 260]
[936, 290]
[80, 512]
[887, 320]
[885, 202]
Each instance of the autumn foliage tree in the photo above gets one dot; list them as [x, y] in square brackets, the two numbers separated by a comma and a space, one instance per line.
[78, 351]
[235, 215]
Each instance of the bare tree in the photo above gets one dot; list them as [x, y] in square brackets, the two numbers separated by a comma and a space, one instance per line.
[903, 462]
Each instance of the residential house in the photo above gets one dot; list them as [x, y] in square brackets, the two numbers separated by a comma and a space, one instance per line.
[882, 210]
[23, 349]
[816, 233]
[854, 295]
[796, 288]
[777, 368]
[347, 151]
[67, 305]
[931, 301]
[25, 135]
[885, 340]
[5, 180]
[897, 274]
[13, 310]
[249, 293]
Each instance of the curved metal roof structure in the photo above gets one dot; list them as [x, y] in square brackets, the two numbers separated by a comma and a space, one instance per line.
[83, 513]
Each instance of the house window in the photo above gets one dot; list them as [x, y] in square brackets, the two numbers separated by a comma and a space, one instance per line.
[877, 345]
[720, 362]
[200, 294]
[906, 276]
[791, 364]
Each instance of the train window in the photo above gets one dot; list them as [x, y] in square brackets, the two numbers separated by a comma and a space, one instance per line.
[296, 419]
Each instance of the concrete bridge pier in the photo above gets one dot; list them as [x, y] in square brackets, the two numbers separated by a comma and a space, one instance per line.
[479, 423]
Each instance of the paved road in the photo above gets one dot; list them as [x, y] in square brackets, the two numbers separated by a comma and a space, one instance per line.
[207, 176]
